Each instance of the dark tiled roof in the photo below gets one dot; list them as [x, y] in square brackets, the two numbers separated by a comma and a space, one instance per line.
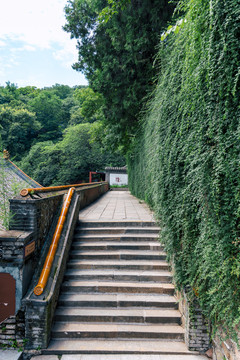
[9, 167]
[124, 168]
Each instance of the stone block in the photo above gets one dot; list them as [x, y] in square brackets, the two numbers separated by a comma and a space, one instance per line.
[10, 355]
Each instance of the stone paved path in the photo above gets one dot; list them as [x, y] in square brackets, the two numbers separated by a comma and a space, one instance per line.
[117, 206]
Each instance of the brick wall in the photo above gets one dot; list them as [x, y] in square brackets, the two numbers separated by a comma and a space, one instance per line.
[35, 215]
[197, 327]
[12, 331]
[198, 332]
[12, 245]
[14, 262]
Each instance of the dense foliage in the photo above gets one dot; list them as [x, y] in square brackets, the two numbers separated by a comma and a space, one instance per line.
[69, 160]
[55, 134]
[117, 55]
[187, 155]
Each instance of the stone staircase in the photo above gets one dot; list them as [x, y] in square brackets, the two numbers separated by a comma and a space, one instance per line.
[117, 296]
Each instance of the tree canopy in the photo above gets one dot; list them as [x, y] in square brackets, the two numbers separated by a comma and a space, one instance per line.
[117, 56]
[55, 134]
[69, 160]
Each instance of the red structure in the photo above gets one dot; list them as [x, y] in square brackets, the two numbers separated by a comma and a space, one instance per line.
[7, 296]
[95, 176]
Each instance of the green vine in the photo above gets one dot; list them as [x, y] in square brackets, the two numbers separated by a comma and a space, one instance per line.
[173, 28]
[15, 345]
[187, 153]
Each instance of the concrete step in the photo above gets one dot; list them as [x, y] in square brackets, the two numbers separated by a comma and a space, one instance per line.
[8, 354]
[118, 264]
[117, 237]
[123, 315]
[119, 254]
[116, 230]
[118, 300]
[116, 245]
[119, 275]
[114, 223]
[78, 330]
[116, 297]
[117, 287]
[128, 356]
[106, 346]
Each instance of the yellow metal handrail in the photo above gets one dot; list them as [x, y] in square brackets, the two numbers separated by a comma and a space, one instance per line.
[25, 192]
[38, 290]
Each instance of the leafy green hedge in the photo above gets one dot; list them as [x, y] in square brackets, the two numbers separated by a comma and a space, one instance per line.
[185, 161]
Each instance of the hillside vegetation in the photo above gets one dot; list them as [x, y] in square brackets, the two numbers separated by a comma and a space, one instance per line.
[55, 134]
[184, 160]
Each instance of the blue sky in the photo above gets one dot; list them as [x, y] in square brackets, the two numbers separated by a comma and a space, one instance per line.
[34, 50]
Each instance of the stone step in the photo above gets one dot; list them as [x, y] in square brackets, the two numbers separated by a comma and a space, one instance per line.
[118, 264]
[119, 275]
[116, 230]
[118, 300]
[106, 346]
[123, 315]
[10, 354]
[116, 297]
[114, 223]
[116, 245]
[119, 254]
[128, 356]
[117, 287]
[117, 237]
[116, 331]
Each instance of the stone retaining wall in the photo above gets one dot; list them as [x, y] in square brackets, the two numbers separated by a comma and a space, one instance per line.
[225, 349]
[22, 253]
[198, 332]
[197, 328]
[12, 331]
[20, 266]
[35, 214]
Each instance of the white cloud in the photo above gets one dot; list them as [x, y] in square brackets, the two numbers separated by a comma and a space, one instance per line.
[34, 49]
[36, 23]
[20, 48]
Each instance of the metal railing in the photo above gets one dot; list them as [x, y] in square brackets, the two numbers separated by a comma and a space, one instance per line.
[38, 290]
[25, 192]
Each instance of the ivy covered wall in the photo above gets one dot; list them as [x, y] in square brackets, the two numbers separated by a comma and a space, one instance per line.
[187, 155]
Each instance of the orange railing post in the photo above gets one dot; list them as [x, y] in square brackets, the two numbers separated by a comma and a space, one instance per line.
[38, 290]
[25, 192]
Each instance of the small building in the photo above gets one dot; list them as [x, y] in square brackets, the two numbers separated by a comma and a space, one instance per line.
[12, 180]
[117, 175]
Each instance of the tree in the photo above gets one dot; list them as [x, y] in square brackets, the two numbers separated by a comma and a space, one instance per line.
[48, 109]
[69, 160]
[19, 128]
[117, 56]
[89, 106]
[62, 91]
[8, 93]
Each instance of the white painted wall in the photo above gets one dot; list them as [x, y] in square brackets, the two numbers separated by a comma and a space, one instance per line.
[118, 179]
